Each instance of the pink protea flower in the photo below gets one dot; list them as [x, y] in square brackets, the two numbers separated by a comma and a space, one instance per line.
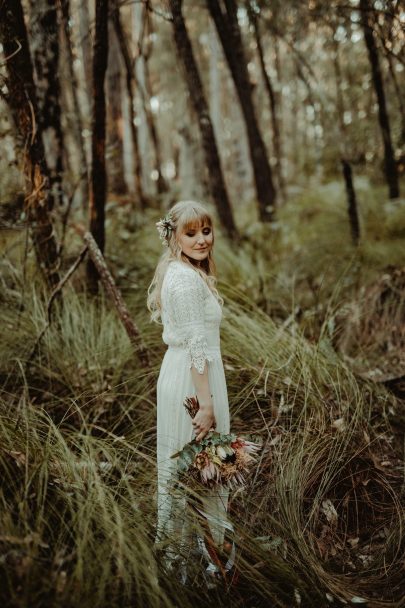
[209, 472]
[250, 447]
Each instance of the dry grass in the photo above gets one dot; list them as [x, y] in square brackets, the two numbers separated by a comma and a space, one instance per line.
[322, 520]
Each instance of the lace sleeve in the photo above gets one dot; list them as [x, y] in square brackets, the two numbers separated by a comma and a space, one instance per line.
[187, 301]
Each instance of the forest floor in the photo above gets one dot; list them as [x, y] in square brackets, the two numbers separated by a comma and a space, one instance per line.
[313, 340]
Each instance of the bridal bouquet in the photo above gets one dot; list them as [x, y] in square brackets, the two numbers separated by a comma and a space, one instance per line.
[218, 459]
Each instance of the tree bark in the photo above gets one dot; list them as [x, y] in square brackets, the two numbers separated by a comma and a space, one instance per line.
[351, 202]
[45, 52]
[216, 179]
[86, 45]
[130, 84]
[76, 124]
[115, 295]
[115, 144]
[391, 172]
[277, 145]
[145, 51]
[98, 169]
[230, 35]
[21, 98]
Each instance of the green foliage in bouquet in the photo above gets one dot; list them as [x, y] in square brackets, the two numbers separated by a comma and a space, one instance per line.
[218, 459]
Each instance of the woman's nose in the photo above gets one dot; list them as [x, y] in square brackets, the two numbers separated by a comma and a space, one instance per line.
[201, 238]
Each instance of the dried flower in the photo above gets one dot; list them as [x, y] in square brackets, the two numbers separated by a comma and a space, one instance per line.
[221, 452]
[218, 459]
[165, 228]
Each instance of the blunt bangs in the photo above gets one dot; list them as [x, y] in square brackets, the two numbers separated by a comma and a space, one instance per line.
[194, 221]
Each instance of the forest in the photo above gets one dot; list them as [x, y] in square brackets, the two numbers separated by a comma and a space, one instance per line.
[287, 119]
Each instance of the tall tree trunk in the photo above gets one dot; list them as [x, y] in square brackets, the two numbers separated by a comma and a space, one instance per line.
[216, 179]
[21, 98]
[146, 50]
[98, 181]
[230, 35]
[277, 146]
[130, 84]
[76, 124]
[45, 52]
[115, 144]
[391, 171]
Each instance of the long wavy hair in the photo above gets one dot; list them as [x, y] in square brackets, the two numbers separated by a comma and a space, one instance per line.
[185, 215]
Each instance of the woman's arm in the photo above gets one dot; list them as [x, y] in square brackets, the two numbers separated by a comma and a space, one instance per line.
[204, 420]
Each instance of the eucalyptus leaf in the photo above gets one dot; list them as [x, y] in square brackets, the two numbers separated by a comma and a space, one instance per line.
[182, 465]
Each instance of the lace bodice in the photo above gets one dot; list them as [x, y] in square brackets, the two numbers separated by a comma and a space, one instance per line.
[191, 314]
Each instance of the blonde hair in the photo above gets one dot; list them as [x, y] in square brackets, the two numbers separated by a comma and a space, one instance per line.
[185, 215]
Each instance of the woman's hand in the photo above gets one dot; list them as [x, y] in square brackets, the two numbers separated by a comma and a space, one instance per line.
[203, 421]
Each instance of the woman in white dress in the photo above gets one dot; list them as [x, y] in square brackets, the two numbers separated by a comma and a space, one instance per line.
[184, 297]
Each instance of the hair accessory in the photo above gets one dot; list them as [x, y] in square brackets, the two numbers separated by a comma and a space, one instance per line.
[165, 228]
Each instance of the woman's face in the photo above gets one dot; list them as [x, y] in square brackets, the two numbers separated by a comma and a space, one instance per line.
[196, 242]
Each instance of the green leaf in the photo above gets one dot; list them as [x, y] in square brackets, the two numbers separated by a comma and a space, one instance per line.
[182, 465]
[188, 456]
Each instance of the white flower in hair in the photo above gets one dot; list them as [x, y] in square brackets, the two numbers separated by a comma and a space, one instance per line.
[165, 228]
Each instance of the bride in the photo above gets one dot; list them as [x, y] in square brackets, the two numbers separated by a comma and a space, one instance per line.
[184, 297]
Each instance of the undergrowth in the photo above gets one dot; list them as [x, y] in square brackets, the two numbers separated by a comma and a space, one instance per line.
[321, 523]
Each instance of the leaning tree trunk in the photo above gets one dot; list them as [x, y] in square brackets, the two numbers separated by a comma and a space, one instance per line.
[21, 98]
[216, 179]
[273, 104]
[45, 51]
[391, 171]
[231, 39]
[98, 181]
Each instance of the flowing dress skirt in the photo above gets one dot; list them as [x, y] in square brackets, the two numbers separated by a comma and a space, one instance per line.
[174, 429]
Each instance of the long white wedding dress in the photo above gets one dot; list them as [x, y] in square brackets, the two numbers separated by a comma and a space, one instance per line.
[191, 316]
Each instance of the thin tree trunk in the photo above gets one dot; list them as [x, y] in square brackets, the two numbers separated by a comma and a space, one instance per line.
[45, 52]
[341, 134]
[230, 35]
[115, 144]
[146, 52]
[21, 98]
[277, 146]
[351, 202]
[130, 82]
[98, 169]
[77, 123]
[216, 179]
[400, 97]
[86, 45]
[391, 171]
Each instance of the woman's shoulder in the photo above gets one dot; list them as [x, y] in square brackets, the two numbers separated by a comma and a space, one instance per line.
[181, 268]
[181, 272]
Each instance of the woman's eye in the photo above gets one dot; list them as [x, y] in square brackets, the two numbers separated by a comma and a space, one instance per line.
[190, 233]
[207, 231]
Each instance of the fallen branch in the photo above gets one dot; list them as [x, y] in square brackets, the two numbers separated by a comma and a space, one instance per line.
[115, 295]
